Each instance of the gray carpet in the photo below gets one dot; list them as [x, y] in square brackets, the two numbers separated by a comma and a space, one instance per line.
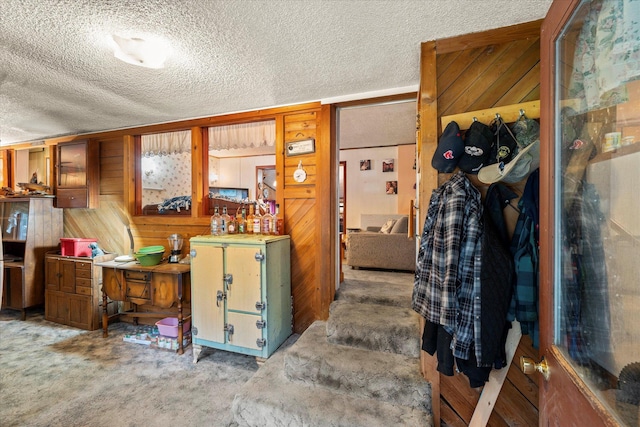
[360, 368]
[52, 375]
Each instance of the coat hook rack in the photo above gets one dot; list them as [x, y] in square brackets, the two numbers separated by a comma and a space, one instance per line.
[475, 119]
[521, 112]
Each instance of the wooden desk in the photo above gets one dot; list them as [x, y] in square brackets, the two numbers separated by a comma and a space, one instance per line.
[155, 288]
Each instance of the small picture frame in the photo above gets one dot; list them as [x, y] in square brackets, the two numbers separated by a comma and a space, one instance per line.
[387, 165]
[391, 187]
[365, 165]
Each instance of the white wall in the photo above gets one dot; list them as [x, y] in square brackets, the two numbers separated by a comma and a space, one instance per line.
[366, 189]
[240, 172]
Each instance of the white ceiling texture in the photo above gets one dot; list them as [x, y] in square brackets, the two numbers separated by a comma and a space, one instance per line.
[58, 75]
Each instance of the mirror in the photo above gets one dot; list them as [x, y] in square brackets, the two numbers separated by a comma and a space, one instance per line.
[266, 182]
[32, 166]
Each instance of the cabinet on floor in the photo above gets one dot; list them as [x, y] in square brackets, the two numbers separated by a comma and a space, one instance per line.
[73, 296]
[241, 287]
[31, 227]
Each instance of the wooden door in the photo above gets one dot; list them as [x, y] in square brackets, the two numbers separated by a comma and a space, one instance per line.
[68, 276]
[52, 275]
[589, 227]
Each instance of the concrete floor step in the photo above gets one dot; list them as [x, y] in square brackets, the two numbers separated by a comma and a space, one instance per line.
[388, 377]
[374, 327]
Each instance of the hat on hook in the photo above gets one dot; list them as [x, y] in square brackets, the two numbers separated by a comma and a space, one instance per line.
[477, 148]
[449, 150]
[525, 160]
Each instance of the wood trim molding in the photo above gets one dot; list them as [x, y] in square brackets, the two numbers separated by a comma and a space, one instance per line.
[496, 36]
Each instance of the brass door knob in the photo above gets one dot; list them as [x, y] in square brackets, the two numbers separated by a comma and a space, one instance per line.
[529, 366]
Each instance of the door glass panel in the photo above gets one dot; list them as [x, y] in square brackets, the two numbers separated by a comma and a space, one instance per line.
[73, 165]
[597, 276]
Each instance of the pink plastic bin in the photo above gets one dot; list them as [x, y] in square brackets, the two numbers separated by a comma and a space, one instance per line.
[168, 326]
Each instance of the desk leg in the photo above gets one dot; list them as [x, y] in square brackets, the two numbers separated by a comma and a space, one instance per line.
[180, 332]
[105, 316]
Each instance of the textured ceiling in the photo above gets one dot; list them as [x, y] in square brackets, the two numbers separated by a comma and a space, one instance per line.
[58, 75]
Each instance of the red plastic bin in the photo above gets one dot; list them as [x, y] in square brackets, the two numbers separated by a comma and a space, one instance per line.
[76, 246]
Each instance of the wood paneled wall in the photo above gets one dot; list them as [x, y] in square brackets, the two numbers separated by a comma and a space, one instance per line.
[474, 72]
[307, 207]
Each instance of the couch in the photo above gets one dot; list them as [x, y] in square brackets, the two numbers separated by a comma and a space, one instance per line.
[382, 247]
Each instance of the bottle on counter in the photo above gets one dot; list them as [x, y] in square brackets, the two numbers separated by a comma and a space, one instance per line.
[232, 228]
[278, 221]
[224, 222]
[257, 221]
[242, 221]
[266, 221]
[215, 221]
[249, 225]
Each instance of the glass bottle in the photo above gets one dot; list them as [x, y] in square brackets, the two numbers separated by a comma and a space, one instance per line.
[257, 221]
[266, 221]
[232, 228]
[224, 223]
[215, 221]
[242, 222]
[249, 226]
[278, 221]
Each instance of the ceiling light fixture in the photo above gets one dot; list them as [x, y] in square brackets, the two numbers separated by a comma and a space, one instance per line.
[138, 51]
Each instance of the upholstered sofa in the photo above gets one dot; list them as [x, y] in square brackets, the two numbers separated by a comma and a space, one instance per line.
[375, 247]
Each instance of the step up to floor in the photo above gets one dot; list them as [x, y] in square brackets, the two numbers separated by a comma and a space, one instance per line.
[270, 399]
[374, 327]
[389, 377]
[367, 292]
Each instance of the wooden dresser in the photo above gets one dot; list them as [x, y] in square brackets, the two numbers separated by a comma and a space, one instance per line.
[72, 292]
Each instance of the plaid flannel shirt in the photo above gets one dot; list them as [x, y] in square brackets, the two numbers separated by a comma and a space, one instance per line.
[446, 291]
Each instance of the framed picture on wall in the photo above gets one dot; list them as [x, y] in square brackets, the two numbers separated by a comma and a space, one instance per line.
[365, 165]
[387, 165]
[392, 187]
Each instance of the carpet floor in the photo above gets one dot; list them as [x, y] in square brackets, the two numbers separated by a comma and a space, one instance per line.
[53, 375]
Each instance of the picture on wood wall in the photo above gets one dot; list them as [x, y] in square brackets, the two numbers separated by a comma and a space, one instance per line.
[365, 165]
[387, 165]
[392, 187]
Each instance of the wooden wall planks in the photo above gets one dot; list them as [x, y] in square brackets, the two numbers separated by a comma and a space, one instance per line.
[476, 72]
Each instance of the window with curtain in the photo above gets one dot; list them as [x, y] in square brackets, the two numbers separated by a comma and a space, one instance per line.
[165, 166]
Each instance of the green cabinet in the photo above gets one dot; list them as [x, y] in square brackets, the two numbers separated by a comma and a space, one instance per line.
[241, 288]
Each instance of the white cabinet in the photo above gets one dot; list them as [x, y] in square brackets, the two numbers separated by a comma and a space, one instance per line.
[241, 293]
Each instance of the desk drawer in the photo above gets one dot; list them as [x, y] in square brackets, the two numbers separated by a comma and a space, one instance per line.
[143, 276]
[136, 289]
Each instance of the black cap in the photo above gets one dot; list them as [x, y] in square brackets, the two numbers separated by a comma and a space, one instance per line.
[449, 150]
[477, 148]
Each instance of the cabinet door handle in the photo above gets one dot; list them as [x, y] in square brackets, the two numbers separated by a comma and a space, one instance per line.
[228, 279]
[219, 298]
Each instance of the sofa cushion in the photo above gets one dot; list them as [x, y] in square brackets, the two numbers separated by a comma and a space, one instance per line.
[401, 225]
[387, 226]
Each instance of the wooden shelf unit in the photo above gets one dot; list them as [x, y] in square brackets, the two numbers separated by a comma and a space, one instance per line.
[24, 248]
